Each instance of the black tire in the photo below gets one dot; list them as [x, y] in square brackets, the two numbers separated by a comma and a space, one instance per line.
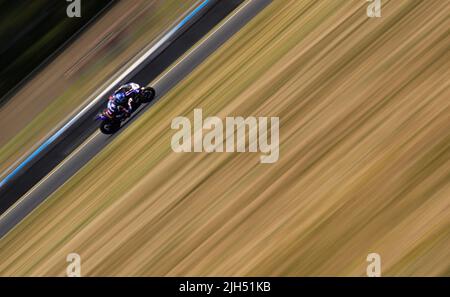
[109, 127]
[147, 95]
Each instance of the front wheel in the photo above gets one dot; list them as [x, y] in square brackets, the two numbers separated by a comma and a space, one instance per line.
[109, 127]
[148, 94]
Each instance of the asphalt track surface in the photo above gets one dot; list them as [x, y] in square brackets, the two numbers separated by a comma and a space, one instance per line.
[83, 142]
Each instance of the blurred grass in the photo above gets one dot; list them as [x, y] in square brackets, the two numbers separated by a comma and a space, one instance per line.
[364, 159]
[33, 31]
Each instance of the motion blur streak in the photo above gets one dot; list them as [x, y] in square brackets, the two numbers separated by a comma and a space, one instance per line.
[364, 159]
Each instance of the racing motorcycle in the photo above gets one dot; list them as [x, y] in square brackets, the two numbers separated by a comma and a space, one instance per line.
[112, 121]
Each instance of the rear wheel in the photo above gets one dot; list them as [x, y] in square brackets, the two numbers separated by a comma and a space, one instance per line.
[109, 127]
[147, 95]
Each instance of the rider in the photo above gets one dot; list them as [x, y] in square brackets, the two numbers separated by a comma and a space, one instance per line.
[121, 102]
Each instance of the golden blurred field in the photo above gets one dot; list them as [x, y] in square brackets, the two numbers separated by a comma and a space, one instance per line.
[364, 159]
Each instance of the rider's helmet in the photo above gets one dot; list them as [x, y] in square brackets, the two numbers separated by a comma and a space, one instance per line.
[119, 97]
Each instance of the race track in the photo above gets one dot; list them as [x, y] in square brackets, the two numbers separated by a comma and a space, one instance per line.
[82, 143]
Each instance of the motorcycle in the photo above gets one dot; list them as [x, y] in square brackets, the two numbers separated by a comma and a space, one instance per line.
[111, 122]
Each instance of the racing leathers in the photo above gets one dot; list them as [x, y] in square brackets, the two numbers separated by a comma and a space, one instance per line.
[120, 104]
